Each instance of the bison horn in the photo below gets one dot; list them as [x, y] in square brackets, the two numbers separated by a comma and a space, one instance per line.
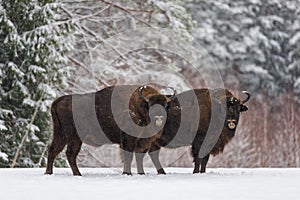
[248, 97]
[174, 93]
[141, 93]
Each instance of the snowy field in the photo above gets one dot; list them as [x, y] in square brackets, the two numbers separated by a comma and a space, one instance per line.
[179, 183]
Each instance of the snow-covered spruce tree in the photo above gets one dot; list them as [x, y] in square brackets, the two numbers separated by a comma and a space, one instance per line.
[256, 44]
[259, 38]
[32, 47]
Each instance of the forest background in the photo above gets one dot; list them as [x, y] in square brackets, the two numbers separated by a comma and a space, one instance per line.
[50, 48]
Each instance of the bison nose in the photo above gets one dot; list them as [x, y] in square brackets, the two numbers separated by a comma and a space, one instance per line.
[231, 123]
[159, 120]
[157, 115]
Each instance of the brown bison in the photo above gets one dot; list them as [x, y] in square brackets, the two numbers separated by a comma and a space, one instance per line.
[108, 116]
[207, 130]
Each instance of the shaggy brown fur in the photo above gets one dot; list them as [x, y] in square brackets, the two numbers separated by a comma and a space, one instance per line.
[78, 118]
[193, 133]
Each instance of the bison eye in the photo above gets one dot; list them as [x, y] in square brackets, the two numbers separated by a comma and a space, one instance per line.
[166, 105]
[230, 102]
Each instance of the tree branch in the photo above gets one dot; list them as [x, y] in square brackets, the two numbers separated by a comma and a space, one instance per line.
[128, 11]
[77, 63]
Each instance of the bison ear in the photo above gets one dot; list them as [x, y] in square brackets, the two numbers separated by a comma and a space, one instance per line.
[243, 108]
[145, 105]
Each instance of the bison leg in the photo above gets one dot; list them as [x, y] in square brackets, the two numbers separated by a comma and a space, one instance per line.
[127, 162]
[127, 145]
[72, 151]
[204, 163]
[154, 155]
[139, 162]
[197, 161]
[57, 145]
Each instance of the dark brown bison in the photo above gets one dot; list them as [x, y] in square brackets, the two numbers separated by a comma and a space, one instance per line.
[207, 130]
[109, 116]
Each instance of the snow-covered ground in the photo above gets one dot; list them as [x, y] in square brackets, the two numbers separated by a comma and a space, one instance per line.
[179, 183]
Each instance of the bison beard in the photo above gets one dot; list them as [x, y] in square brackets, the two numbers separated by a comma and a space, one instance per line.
[88, 118]
[178, 131]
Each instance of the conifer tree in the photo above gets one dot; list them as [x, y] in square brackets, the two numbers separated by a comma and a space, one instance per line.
[32, 47]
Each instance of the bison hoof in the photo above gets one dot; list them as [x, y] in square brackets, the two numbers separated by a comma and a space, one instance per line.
[195, 171]
[127, 173]
[48, 173]
[141, 173]
[161, 171]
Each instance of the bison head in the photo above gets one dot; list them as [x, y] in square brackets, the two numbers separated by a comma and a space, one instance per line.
[234, 107]
[156, 105]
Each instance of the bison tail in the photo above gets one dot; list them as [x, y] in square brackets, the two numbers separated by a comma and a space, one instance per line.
[57, 127]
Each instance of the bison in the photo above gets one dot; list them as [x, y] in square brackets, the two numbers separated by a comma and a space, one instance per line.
[181, 128]
[100, 118]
